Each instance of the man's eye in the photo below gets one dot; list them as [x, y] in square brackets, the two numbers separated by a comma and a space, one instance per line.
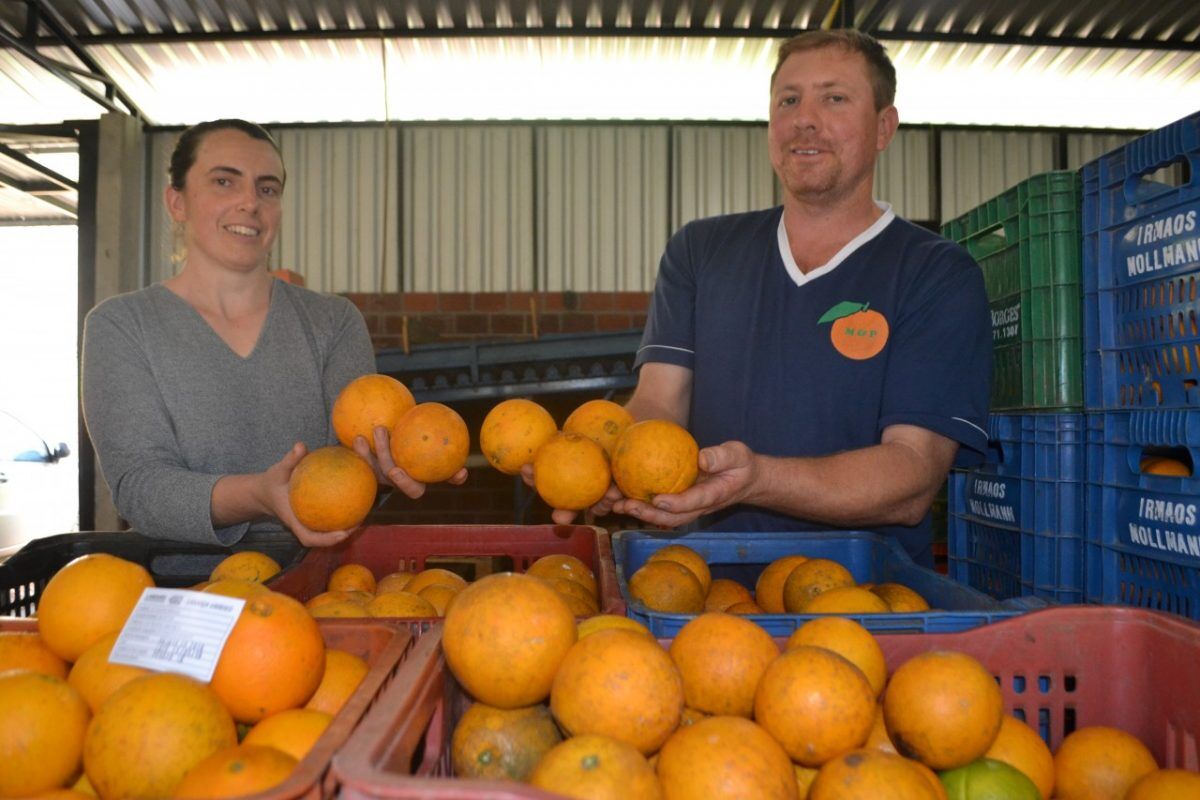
[837, 98]
[788, 101]
[222, 181]
[269, 191]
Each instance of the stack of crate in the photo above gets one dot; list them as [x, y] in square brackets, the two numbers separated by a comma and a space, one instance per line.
[1141, 254]
[1016, 526]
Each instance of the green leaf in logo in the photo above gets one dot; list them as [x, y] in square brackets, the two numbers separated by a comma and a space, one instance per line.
[842, 309]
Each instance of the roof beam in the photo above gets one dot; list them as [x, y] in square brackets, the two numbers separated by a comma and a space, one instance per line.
[41, 169]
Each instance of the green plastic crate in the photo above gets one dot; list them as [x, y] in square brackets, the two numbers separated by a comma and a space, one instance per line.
[1028, 241]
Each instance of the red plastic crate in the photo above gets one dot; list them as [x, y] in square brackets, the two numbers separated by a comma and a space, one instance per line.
[383, 645]
[384, 548]
[1060, 669]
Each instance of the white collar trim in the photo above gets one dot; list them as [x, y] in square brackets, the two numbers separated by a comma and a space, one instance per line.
[800, 278]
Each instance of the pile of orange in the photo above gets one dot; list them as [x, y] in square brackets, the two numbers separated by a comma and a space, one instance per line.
[676, 579]
[72, 718]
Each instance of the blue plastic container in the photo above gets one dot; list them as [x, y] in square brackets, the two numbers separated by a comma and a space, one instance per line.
[1016, 526]
[868, 556]
[1143, 531]
[1141, 265]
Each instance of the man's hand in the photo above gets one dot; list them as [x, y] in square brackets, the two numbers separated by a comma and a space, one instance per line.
[386, 471]
[729, 474]
[274, 496]
[562, 516]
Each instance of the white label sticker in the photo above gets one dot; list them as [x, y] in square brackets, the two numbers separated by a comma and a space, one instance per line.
[177, 630]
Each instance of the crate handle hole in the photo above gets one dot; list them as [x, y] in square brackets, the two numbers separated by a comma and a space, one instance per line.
[1167, 461]
[1164, 180]
[1044, 684]
[1069, 683]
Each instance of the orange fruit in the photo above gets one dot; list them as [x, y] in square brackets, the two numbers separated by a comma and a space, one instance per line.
[845, 600]
[394, 582]
[26, 650]
[272, 659]
[1019, 745]
[691, 716]
[602, 622]
[294, 731]
[743, 609]
[332, 489]
[872, 775]
[96, 678]
[438, 596]
[804, 779]
[504, 638]
[570, 471]
[1098, 763]
[401, 604]
[722, 593]
[602, 421]
[88, 598]
[689, 558]
[368, 402]
[768, 589]
[1159, 465]
[351, 578]
[807, 580]
[151, 732]
[848, 639]
[246, 565]
[41, 738]
[931, 778]
[430, 442]
[324, 598]
[667, 586]
[231, 587]
[62, 794]
[338, 608]
[815, 703]
[721, 659]
[1165, 784]
[499, 743]
[621, 684]
[900, 599]
[343, 673]
[878, 739]
[653, 457]
[435, 576]
[942, 708]
[235, 771]
[725, 757]
[512, 432]
[564, 565]
[598, 768]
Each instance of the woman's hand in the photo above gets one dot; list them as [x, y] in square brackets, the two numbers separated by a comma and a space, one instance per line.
[386, 470]
[274, 497]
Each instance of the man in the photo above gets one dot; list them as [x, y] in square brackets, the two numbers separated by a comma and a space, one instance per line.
[829, 357]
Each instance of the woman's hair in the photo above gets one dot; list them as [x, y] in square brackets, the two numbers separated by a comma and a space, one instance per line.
[184, 154]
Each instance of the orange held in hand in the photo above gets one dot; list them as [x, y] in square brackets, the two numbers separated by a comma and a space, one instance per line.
[332, 489]
[512, 432]
[367, 402]
[602, 421]
[431, 442]
[571, 472]
[654, 457]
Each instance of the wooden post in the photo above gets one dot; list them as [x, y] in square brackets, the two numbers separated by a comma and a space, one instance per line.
[533, 316]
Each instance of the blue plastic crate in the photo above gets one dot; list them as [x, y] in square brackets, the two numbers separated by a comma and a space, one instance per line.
[868, 556]
[1143, 531]
[1141, 264]
[1016, 524]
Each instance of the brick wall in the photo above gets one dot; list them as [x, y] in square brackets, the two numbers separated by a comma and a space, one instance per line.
[488, 496]
[456, 316]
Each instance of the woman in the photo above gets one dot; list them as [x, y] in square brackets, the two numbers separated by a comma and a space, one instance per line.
[194, 387]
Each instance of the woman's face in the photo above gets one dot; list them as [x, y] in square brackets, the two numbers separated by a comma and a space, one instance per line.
[230, 203]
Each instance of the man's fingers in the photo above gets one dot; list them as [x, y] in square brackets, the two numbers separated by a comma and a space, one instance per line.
[562, 517]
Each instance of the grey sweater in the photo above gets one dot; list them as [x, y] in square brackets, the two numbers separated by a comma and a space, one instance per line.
[171, 408]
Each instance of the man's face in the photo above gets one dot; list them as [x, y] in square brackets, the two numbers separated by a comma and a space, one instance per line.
[824, 132]
[230, 203]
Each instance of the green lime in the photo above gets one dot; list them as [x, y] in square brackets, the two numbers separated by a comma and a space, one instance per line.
[988, 779]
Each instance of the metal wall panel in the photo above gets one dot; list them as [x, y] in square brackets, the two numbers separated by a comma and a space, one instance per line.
[160, 240]
[904, 174]
[468, 208]
[1085, 147]
[719, 170]
[603, 217]
[978, 165]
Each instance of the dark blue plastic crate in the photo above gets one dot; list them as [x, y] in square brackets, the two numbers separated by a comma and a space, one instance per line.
[1016, 524]
[1141, 264]
[868, 556]
[1143, 531]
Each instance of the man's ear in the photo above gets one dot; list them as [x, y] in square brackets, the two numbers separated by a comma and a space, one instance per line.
[176, 206]
[889, 121]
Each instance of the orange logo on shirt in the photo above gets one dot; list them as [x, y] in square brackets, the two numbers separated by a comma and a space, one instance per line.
[857, 332]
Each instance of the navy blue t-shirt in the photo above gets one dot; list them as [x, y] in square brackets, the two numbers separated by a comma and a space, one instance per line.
[766, 370]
